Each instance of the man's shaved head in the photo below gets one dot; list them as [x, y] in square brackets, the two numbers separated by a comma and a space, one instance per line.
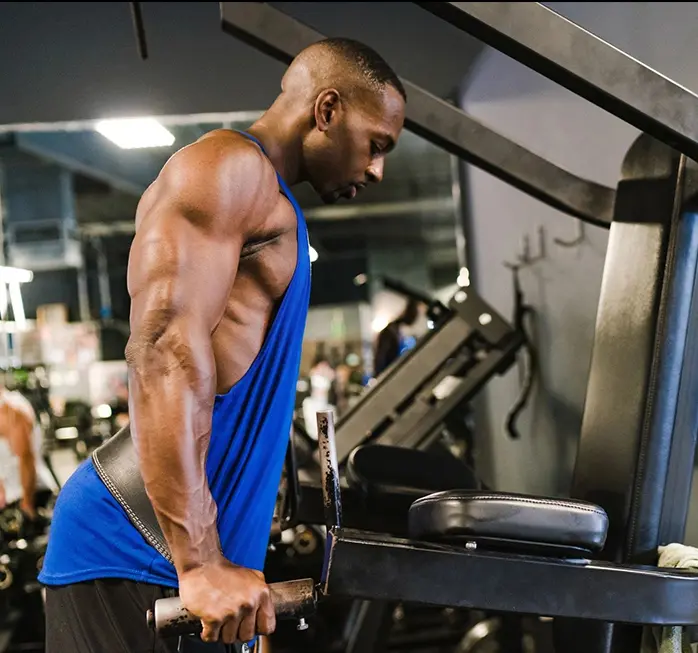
[345, 64]
[343, 107]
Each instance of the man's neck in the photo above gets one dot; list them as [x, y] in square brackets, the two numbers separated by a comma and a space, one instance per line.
[282, 141]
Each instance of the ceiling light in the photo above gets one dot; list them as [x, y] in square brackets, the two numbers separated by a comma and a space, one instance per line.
[313, 254]
[133, 133]
[19, 275]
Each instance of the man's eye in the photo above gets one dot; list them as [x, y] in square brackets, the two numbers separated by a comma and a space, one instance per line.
[375, 149]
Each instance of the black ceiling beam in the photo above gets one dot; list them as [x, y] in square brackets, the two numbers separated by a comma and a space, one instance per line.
[581, 62]
[282, 37]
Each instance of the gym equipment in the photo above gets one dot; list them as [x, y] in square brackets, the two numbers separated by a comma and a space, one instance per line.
[292, 600]
[638, 435]
[470, 344]
[415, 400]
[583, 63]
[280, 36]
[489, 565]
[22, 548]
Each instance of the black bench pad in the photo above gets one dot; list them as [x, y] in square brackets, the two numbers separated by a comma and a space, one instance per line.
[508, 521]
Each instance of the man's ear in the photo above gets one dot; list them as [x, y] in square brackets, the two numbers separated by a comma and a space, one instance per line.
[327, 106]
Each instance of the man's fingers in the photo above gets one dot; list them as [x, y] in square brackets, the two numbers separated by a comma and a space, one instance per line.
[248, 627]
[211, 631]
[230, 630]
[266, 616]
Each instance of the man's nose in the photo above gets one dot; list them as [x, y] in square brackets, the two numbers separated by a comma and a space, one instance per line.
[375, 170]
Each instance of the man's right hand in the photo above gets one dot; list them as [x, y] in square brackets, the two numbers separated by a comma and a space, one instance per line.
[233, 603]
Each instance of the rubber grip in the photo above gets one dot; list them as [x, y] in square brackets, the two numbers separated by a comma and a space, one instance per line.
[292, 600]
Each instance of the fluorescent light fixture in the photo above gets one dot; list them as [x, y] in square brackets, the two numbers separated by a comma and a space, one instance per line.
[313, 255]
[18, 275]
[3, 301]
[134, 133]
[17, 305]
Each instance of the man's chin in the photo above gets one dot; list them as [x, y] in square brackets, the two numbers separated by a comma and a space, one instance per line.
[330, 198]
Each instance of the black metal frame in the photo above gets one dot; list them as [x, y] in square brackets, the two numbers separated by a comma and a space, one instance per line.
[638, 436]
[282, 37]
[449, 366]
[640, 423]
[368, 566]
[580, 61]
[377, 513]
[362, 565]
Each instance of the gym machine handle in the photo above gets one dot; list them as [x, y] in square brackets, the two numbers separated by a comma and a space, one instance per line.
[294, 599]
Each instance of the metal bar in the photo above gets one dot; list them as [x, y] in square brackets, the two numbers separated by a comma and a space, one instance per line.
[365, 566]
[293, 492]
[437, 121]
[640, 421]
[83, 294]
[139, 29]
[385, 513]
[458, 210]
[426, 205]
[683, 446]
[413, 433]
[580, 61]
[105, 306]
[331, 494]
[293, 599]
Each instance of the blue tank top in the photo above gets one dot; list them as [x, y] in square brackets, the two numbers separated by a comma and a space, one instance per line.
[91, 537]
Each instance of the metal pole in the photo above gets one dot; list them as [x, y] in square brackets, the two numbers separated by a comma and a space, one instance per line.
[330, 470]
[105, 309]
[83, 296]
[456, 194]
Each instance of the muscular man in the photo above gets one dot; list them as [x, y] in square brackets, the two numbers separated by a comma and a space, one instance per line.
[219, 278]
[23, 472]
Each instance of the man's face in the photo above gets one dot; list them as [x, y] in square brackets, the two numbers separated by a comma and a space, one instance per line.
[351, 153]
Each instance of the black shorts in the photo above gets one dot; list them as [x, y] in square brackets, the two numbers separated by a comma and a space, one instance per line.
[108, 616]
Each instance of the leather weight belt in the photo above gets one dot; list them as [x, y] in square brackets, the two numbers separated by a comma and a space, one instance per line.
[116, 463]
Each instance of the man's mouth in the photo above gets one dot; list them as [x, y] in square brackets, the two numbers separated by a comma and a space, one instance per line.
[351, 192]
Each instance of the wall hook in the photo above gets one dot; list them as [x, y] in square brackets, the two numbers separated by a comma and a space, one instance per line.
[525, 258]
[576, 240]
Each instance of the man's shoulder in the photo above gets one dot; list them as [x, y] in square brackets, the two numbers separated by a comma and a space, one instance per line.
[218, 176]
[222, 152]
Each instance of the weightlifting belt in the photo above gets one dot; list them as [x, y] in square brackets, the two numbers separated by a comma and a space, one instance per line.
[116, 463]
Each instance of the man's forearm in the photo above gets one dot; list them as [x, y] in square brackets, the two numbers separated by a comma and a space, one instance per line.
[170, 404]
[27, 471]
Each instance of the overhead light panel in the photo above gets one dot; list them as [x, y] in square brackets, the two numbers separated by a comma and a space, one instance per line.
[18, 275]
[135, 133]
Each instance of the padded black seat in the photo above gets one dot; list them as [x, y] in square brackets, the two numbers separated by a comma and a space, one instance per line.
[509, 521]
[381, 469]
